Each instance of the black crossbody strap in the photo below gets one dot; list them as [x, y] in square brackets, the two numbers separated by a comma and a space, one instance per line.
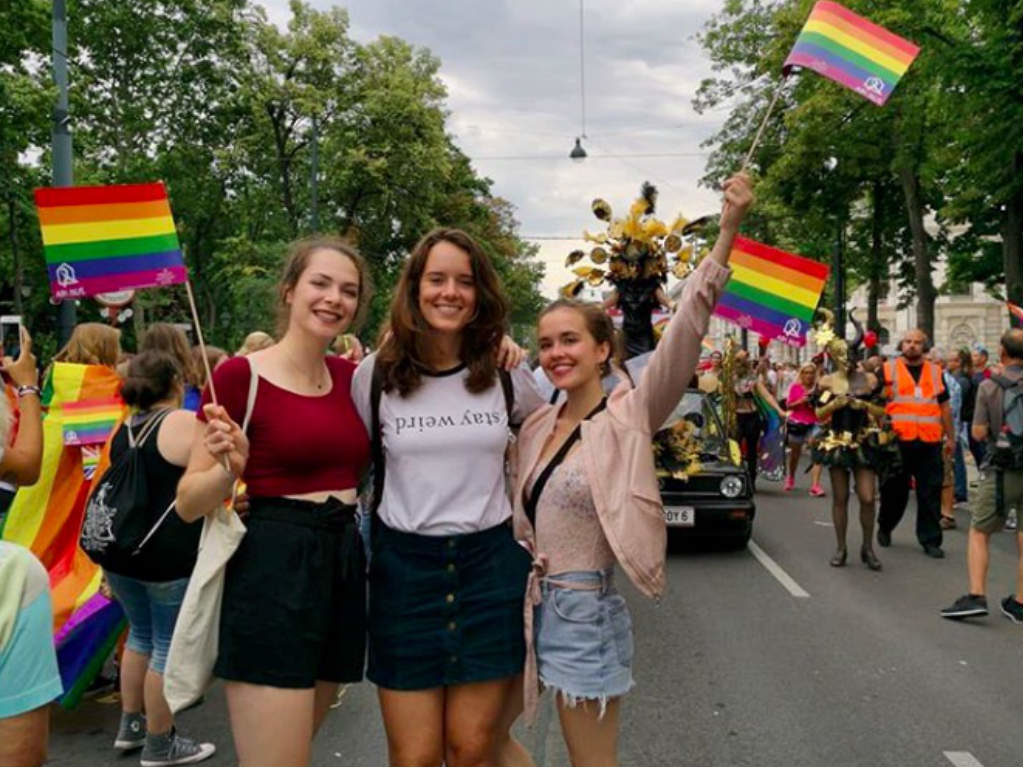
[538, 487]
[376, 441]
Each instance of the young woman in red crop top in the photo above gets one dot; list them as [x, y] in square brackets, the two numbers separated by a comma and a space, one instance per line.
[292, 624]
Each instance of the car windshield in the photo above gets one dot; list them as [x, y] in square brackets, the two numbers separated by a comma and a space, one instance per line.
[697, 408]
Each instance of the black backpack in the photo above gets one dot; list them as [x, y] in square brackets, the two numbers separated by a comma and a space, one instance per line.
[118, 519]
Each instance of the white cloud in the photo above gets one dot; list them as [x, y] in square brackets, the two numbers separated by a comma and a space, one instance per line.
[512, 72]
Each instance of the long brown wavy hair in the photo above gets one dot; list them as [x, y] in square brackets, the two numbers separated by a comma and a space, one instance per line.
[403, 352]
[164, 337]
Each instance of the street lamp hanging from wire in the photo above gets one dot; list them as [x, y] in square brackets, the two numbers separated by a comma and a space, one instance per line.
[578, 153]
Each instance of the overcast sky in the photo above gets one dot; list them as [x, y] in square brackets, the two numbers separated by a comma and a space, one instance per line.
[512, 68]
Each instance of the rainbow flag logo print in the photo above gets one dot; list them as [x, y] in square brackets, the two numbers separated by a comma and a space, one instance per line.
[771, 292]
[90, 422]
[111, 238]
[847, 48]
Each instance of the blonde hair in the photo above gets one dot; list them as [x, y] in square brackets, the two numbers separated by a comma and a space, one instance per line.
[92, 344]
[254, 342]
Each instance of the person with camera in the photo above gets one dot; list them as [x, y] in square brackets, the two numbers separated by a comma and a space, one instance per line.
[997, 424]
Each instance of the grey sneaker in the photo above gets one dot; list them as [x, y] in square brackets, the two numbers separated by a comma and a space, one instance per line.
[131, 733]
[965, 606]
[1011, 609]
[173, 749]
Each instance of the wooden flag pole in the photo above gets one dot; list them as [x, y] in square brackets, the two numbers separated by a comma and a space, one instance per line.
[206, 365]
[764, 122]
[199, 337]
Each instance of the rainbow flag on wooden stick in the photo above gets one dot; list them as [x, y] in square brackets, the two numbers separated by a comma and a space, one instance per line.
[847, 48]
[771, 292]
[103, 239]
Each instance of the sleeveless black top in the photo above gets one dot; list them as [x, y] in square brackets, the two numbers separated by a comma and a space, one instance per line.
[171, 553]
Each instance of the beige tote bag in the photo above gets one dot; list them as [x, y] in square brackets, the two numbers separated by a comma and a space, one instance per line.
[193, 651]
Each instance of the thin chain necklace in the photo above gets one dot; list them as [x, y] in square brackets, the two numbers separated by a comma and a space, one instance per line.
[319, 385]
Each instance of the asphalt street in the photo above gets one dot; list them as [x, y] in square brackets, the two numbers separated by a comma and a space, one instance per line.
[764, 656]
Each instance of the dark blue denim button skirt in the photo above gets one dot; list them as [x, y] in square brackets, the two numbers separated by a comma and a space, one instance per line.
[445, 610]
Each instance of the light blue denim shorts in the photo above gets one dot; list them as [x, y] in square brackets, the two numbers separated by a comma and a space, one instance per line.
[584, 638]
[152, 609]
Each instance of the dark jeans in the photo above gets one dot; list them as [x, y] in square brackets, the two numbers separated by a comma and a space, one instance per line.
[959, 474]
[923, 462]
[749, 426]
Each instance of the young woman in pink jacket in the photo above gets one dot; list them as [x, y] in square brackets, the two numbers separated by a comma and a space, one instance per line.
[587, 497]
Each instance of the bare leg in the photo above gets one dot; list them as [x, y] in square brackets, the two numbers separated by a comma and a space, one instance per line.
[325, 694]
[271, 726]
[865, 479]
[472, 716]
[1020, 551]
[158, 715]
[815, 475]
[977, 561]
[24, 737]
[794, 458]
[134, 666]
[509, 751]
[840, 496]
[414, 723]
[591, 738]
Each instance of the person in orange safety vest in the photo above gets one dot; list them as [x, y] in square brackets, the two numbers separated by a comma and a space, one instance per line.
[917, 404]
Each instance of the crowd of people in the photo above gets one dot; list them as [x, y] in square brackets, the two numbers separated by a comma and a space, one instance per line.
[426, 516]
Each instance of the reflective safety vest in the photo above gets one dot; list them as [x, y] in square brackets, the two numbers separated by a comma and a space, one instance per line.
[913, 406]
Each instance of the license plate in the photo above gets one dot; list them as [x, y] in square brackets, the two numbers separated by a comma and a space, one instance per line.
[679, 516]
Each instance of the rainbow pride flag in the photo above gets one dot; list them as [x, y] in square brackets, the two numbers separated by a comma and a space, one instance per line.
[771, 292]
[103, 239]
[842, 46]
[88, 422]
[47, 518]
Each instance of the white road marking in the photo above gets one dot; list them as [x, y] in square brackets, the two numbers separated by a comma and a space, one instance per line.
[961, 758]
[827, 525]
[776, 570]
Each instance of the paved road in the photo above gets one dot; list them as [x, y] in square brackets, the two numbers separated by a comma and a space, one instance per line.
[733, 669]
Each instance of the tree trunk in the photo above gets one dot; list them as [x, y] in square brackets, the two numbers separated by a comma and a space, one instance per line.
[1012, 241]
[925, 288]
[12, 213]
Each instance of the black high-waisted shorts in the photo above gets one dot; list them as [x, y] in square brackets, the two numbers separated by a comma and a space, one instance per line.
[294, 608]
[445, 610]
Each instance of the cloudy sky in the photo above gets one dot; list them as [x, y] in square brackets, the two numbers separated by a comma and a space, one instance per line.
[512, 68]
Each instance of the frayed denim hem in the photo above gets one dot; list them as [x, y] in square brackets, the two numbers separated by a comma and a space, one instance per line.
[573, 700]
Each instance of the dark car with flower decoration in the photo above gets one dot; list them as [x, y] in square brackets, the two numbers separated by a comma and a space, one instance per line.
[704, 488]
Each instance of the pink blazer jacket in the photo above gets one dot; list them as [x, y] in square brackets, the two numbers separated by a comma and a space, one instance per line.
[616, 443]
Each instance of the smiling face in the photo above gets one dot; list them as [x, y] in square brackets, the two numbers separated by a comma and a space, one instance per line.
[325, 297]
[569, 354]
[447, 289]
[807, 375]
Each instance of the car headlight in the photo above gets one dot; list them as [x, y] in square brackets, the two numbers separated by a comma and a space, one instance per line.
[731, 486]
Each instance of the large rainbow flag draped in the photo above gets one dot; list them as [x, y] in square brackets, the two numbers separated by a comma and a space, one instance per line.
[771, 292]
[842, 46]
[47, 518]
[103, 239]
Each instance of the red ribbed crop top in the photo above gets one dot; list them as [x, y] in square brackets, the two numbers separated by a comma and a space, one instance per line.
[297, 443]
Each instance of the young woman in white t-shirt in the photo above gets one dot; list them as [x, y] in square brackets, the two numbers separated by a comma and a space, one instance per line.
[446, 575]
